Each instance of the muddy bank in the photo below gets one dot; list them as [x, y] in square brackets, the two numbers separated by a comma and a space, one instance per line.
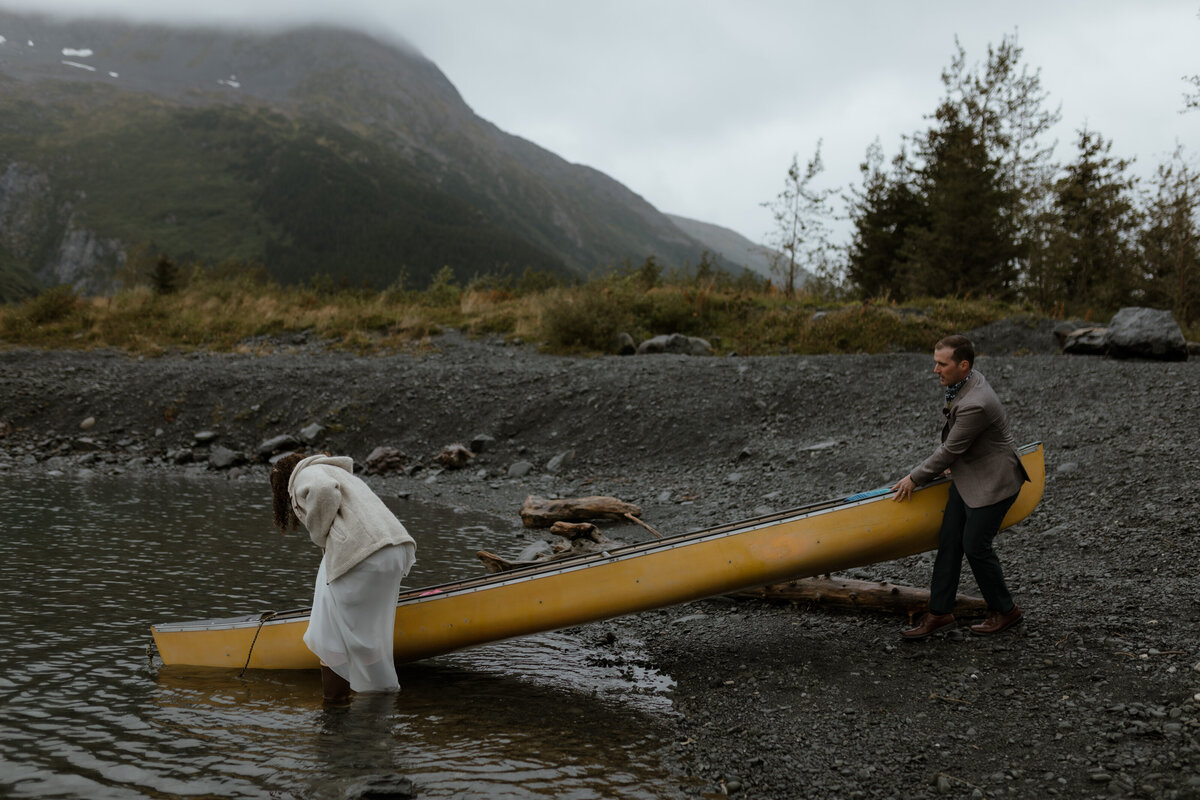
[1093, 696]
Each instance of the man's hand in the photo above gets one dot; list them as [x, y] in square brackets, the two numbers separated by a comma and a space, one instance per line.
[903, 489]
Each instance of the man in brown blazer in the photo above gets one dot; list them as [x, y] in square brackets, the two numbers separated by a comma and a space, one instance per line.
[985, 477]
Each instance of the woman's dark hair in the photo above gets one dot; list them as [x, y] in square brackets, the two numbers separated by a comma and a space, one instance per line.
[281, 474]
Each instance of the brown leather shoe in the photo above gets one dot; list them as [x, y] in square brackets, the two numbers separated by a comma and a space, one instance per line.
[930, 623]
[997, 622]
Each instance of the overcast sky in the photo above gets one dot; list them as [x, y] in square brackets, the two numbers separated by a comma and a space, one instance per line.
[699, 105]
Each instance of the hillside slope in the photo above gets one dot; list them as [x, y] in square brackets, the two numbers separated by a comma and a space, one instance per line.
[313, 150]
[730, 245]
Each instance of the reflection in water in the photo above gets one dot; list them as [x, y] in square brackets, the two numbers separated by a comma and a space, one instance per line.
[87, 564]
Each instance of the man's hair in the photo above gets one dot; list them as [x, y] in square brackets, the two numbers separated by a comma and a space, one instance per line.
[962, 347]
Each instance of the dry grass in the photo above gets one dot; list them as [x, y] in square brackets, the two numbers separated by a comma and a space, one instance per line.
[244, 316]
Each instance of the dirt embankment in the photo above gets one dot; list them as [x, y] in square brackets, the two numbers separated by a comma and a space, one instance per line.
[1095, 695]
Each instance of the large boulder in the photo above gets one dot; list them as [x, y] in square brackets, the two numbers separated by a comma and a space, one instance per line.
[675, 343]
[1146, 333]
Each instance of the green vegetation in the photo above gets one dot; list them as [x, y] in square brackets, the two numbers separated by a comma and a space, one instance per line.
[976, 205]
[298, 196]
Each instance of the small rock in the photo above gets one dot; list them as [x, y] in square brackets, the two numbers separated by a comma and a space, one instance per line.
[520, 469]
[205, 437]
[384, 459]
[277, 444]
[312, 433]
[223, 458]
[1086, 342]
[481, 442]
[555, 464]
[454, 456]
[87, 424]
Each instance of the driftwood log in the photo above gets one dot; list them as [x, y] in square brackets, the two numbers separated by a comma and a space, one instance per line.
[831, 592]
[578, 538]
[494, 563]
[538, 512]
[577, 530]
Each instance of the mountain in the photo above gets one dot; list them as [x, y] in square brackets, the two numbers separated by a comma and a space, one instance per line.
[313, 151]
[731, 246]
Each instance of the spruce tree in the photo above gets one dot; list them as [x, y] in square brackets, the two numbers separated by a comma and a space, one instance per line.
[966, 244]
[1091, 260]
[1169, 243]
[882, 212]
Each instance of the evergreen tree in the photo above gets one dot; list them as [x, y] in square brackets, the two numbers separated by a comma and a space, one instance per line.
[966, 243]
[1005, 103]
[970, 217]
[1169, 243]
[882, 212]
[1091, 258]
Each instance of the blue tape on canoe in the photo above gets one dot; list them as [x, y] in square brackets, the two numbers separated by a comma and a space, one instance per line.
[869, 493]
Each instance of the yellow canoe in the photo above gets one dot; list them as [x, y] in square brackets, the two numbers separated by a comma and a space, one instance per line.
[802, 542]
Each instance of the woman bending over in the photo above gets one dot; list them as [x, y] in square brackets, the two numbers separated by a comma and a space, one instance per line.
[367, 553]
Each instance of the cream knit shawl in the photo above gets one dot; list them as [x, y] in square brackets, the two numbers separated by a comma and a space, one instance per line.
[343, 516]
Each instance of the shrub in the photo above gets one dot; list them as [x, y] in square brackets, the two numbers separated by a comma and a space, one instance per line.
[589, 319]
[52, 305]
[664, 311]
[443, 289]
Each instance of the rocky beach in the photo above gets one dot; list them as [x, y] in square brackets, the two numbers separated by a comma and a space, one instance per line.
[1097, 694]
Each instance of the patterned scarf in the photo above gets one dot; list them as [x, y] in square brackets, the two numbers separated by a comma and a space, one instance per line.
[952, 391]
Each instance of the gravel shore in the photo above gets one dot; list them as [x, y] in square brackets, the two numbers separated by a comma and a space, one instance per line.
[1097, 694]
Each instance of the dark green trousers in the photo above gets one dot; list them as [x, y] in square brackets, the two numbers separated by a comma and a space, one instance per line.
[969, 531]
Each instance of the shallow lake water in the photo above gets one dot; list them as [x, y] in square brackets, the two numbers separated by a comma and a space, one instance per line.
[88, 562]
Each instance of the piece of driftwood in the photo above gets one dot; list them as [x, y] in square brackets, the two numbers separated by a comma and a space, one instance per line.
[634, 519]
[538, 512]
[494, 563]
[827, 591]
[577, 530]
[582, 546]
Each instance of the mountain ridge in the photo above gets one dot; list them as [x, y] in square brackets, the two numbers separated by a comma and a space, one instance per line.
[312, 149]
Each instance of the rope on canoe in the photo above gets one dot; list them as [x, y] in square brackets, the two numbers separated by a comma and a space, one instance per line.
[266, 615]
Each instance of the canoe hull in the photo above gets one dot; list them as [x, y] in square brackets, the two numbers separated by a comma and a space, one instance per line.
[717, 561]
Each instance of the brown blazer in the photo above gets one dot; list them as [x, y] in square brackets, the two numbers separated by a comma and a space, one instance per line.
[976, 447]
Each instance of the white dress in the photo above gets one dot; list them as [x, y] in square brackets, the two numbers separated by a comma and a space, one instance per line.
[354, 618]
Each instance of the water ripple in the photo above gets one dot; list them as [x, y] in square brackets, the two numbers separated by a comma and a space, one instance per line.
[87, 565]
